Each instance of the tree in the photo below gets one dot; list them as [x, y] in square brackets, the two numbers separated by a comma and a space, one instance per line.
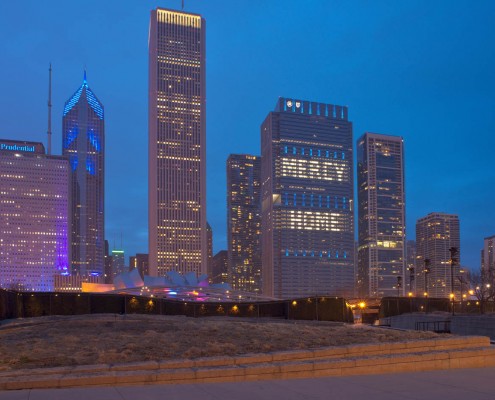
[482, 288]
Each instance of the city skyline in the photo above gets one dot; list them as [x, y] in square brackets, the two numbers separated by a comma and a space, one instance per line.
[414, 83]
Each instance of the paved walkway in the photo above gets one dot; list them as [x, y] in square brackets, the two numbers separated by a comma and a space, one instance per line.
[461, 384]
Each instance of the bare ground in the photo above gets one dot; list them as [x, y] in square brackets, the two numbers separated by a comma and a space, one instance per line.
[107, 338]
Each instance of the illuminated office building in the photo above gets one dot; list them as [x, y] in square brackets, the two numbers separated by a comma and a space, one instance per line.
[435, 235]
[139, 261]
[219, 267]
[307, 200]
[177, 143]
[34, 216]
[488, 260]
[244, 222]
[118, 262]
[381, 216]
[83, 143]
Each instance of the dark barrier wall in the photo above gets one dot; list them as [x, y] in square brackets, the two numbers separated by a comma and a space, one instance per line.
[25, 305]
[391, 306]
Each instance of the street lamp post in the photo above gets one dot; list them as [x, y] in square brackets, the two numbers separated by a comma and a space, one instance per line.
[461, 282]
[453, 253]
[426, 271]
[411, 278]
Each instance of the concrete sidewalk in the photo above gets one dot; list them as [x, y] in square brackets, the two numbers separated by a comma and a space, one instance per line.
[460, 384]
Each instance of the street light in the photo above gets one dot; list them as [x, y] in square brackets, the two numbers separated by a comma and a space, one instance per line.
[426, 271]
[411, 278]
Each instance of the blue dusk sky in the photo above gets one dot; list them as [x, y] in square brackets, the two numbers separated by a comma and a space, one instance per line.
[423, 70]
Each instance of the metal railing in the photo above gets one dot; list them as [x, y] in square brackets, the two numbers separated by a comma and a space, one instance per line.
[434, 326]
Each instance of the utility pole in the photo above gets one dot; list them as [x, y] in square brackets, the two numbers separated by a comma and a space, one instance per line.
[453, 261]
[426, 271]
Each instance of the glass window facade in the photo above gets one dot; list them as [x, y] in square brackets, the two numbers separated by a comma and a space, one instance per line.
[381, 216]
[244, 221]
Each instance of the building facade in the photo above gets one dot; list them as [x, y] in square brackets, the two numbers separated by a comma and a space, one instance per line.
[177, 143]
[139, 261]
[307, 200]
[34, 216]
[488, 260]
[83, 144]
[118, 262]
[219, 267]
[244, 222]
[436, 234]
[381, 216]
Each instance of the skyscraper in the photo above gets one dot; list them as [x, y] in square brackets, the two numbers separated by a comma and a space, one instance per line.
[177, 143]
[307, 200]
[244, 222]
[118, 262]
[139, 261]
[381, 216]
[83, 144]
[435, 235]
[488, 260]
[218, 265]
[34, 216]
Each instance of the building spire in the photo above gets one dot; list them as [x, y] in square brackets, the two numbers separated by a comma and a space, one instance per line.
[49, 131]
[84, 80]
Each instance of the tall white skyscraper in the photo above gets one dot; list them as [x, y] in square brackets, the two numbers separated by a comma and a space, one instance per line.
[177, 143]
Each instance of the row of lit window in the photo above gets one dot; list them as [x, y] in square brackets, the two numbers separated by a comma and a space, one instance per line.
[304, 151]
[316, 253]
[311, 200]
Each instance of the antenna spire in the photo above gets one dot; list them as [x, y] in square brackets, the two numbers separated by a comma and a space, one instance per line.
[49, 132]
[84, 80]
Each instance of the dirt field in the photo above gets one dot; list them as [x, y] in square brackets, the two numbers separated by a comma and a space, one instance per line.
[105, 338]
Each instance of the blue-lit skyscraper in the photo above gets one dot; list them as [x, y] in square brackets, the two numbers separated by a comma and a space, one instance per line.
[83, 135]
[307, 200]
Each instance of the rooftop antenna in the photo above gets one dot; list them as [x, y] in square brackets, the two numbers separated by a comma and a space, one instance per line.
[49, 132]
[182, 4]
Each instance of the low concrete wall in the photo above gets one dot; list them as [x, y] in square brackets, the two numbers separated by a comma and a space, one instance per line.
[474, 325]
[408, 321]
[483, 325]
[421, 355]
